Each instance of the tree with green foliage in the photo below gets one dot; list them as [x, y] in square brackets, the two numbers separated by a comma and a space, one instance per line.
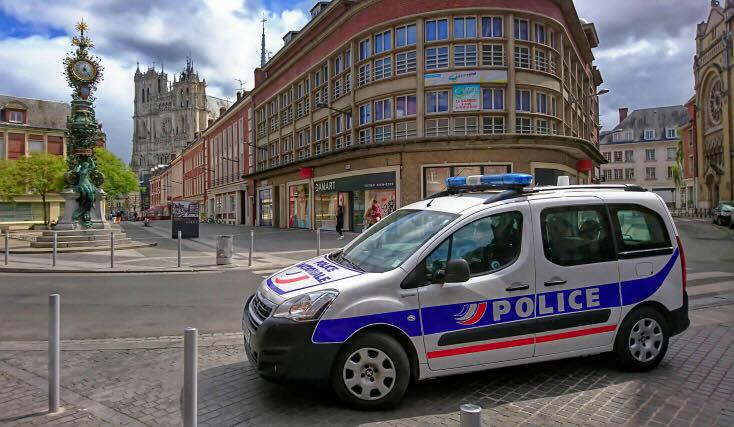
[119, 179]
[678, 168]
[8, 183]
[40, 175]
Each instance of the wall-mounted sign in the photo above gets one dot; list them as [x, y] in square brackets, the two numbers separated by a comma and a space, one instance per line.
[467, 97]
[372, 181]
[468, 76]
[184, 218]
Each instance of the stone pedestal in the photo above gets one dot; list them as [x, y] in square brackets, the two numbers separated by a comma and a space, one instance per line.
[70, 204]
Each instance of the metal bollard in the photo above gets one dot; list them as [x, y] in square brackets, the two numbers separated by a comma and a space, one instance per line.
[252, 247]
[190, 377]
[53, 252]
[471, 415]
[318, 241]
[112, 249]
[7, 245]
[179, 248]
[54, 354]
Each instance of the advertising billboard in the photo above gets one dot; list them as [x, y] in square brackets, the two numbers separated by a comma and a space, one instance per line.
[468, 76]
[184, 217]
[467, 97]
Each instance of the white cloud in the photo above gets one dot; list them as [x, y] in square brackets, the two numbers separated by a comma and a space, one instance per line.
[223, 37]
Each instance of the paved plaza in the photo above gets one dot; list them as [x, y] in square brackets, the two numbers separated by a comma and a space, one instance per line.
[124, 378]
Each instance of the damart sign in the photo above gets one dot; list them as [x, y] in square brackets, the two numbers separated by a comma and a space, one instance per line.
[469, 76]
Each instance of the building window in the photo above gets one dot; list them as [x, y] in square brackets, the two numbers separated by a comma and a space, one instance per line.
[541, 126]
[405, 106]
[522, 100]
[347, 59]
[493, 55]
[365, 114]
[521, 29]
[437, 57]
[383, 42]
[383, 109]
[541, 61]
[465, 28]
[337, 66]
[608, 156]
[522, 57]
[671, 153]
[405, 62]
[540, 33]
[622, 136]
[493, 125]
[465, 126]
[383, 133]
[365, 50]
[365, 136]
[629, 155]
[405, 35]
[629, 174]
[493, 99]
[15, 116]
[492, 26]
[650, 155]
[524, 125]
[405, 130]
[649, 134]
[617, 156]
[35, 146]
[437, 127]
[617, 174]
[671, 133]
[670, 172]
[365, 74]
[383, 68]
[437, 29]
[607, 175]
[541, 100]
[465, 55]
[437, 102]
[650, 173]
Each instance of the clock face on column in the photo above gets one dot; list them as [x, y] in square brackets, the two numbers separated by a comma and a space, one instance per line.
[715, 102]
[84, 70]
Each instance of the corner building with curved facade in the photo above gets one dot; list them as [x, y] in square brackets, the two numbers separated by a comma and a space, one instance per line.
[384, 99]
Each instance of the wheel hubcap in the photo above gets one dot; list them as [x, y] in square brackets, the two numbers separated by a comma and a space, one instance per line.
[369, 374]
[646, 340]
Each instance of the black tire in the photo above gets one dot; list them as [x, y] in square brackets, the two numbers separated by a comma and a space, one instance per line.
[372, 343]
[632, 350]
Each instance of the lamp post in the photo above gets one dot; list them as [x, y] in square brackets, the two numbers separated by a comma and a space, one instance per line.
[575, 100]
[324, 105]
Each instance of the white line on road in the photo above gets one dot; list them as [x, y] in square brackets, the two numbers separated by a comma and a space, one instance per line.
[709, 275]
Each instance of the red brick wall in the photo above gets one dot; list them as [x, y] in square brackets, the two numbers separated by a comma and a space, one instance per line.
[236, 148]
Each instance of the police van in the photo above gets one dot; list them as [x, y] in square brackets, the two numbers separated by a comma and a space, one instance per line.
[489, 273]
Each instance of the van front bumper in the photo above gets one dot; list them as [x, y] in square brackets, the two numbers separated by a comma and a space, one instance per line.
[281, 350]
[679, 317]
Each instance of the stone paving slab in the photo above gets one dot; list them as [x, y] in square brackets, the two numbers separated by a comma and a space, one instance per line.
[693, 386]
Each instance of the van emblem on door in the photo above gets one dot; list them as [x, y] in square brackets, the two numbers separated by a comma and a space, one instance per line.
[471, 313]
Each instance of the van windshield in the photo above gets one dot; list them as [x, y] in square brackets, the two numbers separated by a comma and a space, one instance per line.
[387, 244]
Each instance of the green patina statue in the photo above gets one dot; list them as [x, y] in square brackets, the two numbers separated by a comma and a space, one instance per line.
[83, 72]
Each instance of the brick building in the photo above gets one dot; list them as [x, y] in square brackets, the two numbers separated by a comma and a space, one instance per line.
[690, 166]
[383, 100]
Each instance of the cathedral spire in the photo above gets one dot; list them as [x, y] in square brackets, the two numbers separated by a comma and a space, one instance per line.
[262, 44]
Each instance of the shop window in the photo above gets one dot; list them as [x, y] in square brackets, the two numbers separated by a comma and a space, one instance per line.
[524, 125]
[405, 62]
[383, 68]
[437, 57]
[522, 57]
[493, 99]
[383, 42]
[383, 133]
[493, 125]
[493, 55]
[383, 109]
[465, 55]
[405, 106]
[437, 102]
[298, 209]
[437, 127]
[405, 35]
[492, 26]
[405, 130]
[19, 211]
[465, 28]
[437, 29]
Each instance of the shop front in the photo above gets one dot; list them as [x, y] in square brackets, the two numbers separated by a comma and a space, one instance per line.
[434, 176]
[265, 207]
[355, 194]
[299, 212]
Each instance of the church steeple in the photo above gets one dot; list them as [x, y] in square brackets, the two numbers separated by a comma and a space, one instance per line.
[262, 45]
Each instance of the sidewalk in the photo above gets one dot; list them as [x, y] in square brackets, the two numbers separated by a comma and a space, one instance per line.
[139, 382]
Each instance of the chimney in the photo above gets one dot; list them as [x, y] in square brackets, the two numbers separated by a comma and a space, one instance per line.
[222, 110]
[239, 95]
[623, 113]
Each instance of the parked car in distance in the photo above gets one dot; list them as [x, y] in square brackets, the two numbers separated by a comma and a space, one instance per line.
[722, 213]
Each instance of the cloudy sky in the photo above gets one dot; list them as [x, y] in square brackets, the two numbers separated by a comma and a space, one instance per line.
[645, 55]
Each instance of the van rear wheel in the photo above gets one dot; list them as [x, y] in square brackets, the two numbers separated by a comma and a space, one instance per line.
[642, 340]
[371, 372]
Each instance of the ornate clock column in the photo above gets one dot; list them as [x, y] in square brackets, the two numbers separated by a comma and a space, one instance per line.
[84, 197]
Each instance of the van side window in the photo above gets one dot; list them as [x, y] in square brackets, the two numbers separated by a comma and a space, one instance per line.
[638, 228]
[576, 235]
[488, 244]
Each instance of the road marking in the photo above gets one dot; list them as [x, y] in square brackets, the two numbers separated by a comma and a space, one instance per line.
[709, 275]
[710, 288]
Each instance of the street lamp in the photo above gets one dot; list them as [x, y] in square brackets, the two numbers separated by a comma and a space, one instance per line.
[324, 105]
[575, 100]
[230, 160]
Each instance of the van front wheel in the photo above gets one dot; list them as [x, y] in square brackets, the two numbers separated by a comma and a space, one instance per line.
[642, 341]
[371, 372]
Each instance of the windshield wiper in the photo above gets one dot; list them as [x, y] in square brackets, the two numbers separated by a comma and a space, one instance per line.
[343, 258]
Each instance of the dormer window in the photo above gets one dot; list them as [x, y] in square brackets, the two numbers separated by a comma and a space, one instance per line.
[649, 134]
[671, 133]
[15, 116]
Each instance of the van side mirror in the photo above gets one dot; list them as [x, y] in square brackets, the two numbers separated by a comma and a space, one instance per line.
[457, 271]
[416, 278]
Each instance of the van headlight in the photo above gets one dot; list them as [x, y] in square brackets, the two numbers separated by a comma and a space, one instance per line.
[308, 306]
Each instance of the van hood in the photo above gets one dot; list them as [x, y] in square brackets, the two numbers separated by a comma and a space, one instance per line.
[309, 274]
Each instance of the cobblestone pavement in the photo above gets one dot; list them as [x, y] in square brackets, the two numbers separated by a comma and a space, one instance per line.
[127, 383]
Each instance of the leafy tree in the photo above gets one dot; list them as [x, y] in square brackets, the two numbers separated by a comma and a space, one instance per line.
[119, 179]
[40, 174]
[8, 181]
[678, 168]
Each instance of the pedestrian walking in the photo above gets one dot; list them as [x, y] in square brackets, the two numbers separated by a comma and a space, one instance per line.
[340, 221]
[373, 214]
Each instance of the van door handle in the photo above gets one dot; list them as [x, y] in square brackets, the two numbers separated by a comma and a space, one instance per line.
[518, 287]
[408, 294]
[555, 282]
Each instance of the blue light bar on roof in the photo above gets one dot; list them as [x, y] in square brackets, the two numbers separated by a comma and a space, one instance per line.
[490, 181]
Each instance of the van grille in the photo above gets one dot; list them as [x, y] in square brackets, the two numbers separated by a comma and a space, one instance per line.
[259, 310]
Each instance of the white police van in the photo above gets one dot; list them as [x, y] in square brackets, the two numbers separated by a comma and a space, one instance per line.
[486, 274]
